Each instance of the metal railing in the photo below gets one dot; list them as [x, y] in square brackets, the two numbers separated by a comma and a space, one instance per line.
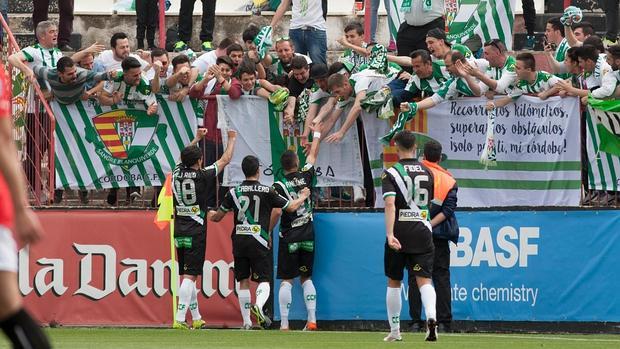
[34, 127]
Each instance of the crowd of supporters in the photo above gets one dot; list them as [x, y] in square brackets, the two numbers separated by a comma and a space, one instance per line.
[319, 94]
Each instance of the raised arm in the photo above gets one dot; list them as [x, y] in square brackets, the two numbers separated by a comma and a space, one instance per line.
[403, 61]
[284, 5]
[355, 111]
[360, 50]
[92, 49]
[570, 37]
[225, 159]
[314, 148]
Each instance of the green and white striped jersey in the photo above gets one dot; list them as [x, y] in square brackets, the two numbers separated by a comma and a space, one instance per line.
[38, 55]
[505, 76]
[427, 86]
[278, 68]
[317, 94]
[131, 94]
[393, 70]
[560, 56]
[560, 51]
[594, 79]
[453, 88]
[354, 59]
[367, 80]
[544, 81]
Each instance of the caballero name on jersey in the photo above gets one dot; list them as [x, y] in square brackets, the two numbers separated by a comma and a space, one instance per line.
[412, 216]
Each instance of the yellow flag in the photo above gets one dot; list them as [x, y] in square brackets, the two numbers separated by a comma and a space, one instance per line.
[165, 213]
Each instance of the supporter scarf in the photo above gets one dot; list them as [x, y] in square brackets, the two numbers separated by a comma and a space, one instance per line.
[399, 125]
[263, 41]
[572, 15]
[379, 101]
[303, 106]
[378, 59]
[279, 98]
[489, 155]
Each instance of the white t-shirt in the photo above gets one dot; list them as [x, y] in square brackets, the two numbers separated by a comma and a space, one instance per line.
[418, 17]
[205, 61]
[108, 61]
[368, 80]
[307, 13]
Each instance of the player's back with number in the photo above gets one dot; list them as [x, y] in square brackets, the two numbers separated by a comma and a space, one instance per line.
[190, 195]
[252, 203]
[412, 185]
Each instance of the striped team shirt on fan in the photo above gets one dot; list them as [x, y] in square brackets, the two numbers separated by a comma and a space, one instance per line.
[601, 81]
[427, 86]
[505, 76]
[39, 55]
[354, 59]
[544, 81]
[453, 88]
[131, 94]
[560, 56]
[279, 68]
[367, 80]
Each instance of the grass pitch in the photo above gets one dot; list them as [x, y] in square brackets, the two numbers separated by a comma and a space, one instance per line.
[232, 339]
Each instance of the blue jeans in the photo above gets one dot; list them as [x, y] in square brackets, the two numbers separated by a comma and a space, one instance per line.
[374, 18]
[4, 8]
[399, 94]
[311, 42]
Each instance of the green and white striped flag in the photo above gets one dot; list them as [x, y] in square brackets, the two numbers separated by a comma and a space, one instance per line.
[603, 144]
[489, 19]
[99, 147]
[262, 133]
[395, 17]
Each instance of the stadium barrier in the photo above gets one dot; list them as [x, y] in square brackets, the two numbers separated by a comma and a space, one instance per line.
[508, 266]
[34, 124]
[538, 163]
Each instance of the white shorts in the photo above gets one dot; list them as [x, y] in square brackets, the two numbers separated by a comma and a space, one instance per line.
[8, 250]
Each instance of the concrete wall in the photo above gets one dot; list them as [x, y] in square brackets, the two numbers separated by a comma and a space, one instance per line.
[100, 28]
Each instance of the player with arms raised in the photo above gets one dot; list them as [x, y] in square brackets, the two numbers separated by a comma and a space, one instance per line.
[296, 244]
[408, 191]
[252, 203]
[189, 186]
